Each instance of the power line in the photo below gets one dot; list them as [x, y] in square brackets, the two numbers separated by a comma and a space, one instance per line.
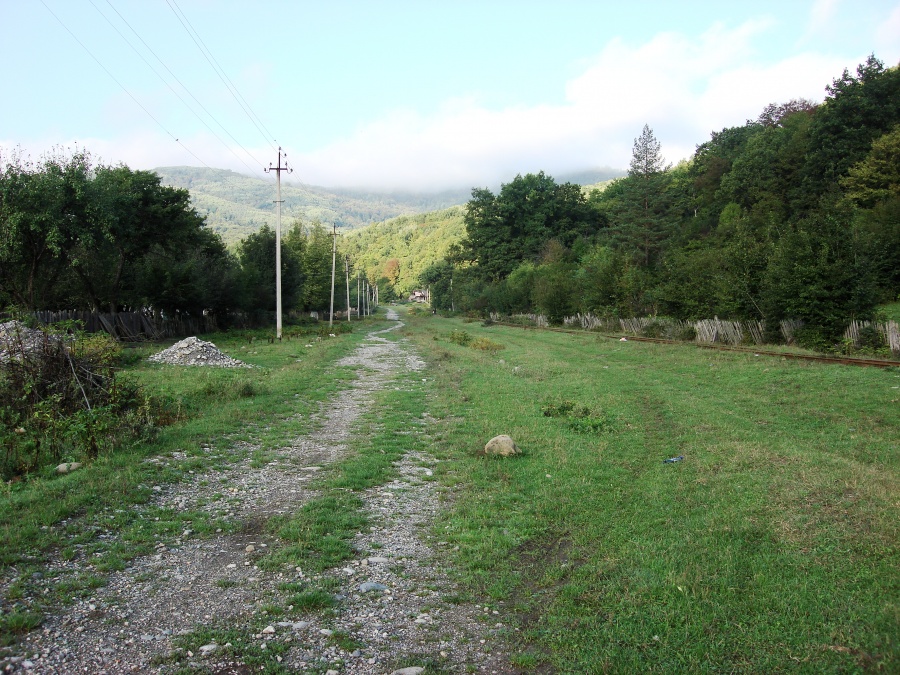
[191, 31]
[171, 88]
[133, 98]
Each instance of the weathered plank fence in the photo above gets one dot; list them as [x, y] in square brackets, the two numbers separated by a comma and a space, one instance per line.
[132, 326]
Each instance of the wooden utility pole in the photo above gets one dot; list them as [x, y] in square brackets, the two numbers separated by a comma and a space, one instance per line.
[347, 274]
[333, 258]
[358, 308]
[278, 201]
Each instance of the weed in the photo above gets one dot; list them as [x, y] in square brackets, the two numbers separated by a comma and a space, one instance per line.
[460, 337]
[312, 600]
[486, 345]
[344, 641]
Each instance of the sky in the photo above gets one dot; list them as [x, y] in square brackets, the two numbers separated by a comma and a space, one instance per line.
[415, 96]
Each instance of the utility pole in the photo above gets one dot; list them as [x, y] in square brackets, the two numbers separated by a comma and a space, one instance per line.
[278, 169]
[333, 258]
[347, 277]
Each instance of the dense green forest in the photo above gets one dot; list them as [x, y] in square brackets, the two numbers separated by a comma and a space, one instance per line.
[78, 236]
[399, 250]
[795, 214]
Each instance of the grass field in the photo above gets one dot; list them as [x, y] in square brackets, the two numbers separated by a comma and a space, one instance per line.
[771, 547]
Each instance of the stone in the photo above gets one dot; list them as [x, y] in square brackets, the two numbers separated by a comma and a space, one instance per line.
[195, 352]
[501, 446]
[250, 548]
[209, 649]
[369, 586]
[377, 559]
[68, 467]
[268, 630]
[412, 670]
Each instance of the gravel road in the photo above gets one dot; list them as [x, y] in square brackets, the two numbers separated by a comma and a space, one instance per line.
[396, 609]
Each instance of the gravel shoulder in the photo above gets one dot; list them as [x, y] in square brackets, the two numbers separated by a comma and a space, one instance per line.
[398, 608]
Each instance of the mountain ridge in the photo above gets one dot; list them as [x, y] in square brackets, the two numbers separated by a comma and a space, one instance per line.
[236, 205]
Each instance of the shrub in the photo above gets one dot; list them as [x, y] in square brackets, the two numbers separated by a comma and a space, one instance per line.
[460, 337]
[814, 338]
[581, 418]
[655, 329]
[486, 344]
[687, 334]
[60, 398]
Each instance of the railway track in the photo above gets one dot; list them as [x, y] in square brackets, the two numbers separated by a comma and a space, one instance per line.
[842, 360]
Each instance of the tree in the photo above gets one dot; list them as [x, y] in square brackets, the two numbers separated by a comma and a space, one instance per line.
[504, 230]
[438, 278]
[257, 256]
[877, 177]
[124, 215]
[640, 218]
[35, 233]
[859, 109]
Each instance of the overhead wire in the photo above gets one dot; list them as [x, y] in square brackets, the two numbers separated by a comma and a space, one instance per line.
[173, 90]
[195, 36]
[132, 96]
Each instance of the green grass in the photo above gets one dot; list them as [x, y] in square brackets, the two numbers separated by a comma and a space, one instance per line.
[891, 311]
[771, 548]
[207, 410]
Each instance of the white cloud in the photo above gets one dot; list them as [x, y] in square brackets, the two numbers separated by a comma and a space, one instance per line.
[684, 88]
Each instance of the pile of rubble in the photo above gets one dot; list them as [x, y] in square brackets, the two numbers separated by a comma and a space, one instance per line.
[195, 352]
[17, 340]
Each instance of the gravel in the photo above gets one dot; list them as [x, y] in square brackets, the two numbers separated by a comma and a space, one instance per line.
[17, 339]
[193, 351]
[392, 610]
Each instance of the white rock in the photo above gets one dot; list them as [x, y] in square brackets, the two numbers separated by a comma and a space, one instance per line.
[412, 670]
[68, 467]
[268, 630]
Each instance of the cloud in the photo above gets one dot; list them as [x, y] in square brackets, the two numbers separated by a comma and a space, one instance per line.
[683, 87]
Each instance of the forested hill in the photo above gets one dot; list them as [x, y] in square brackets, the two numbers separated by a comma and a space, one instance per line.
[400, 249]
[236, 205]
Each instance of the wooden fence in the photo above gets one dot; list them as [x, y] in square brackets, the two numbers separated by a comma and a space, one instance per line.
[133, 326]
[716, 330]
[889, 332]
